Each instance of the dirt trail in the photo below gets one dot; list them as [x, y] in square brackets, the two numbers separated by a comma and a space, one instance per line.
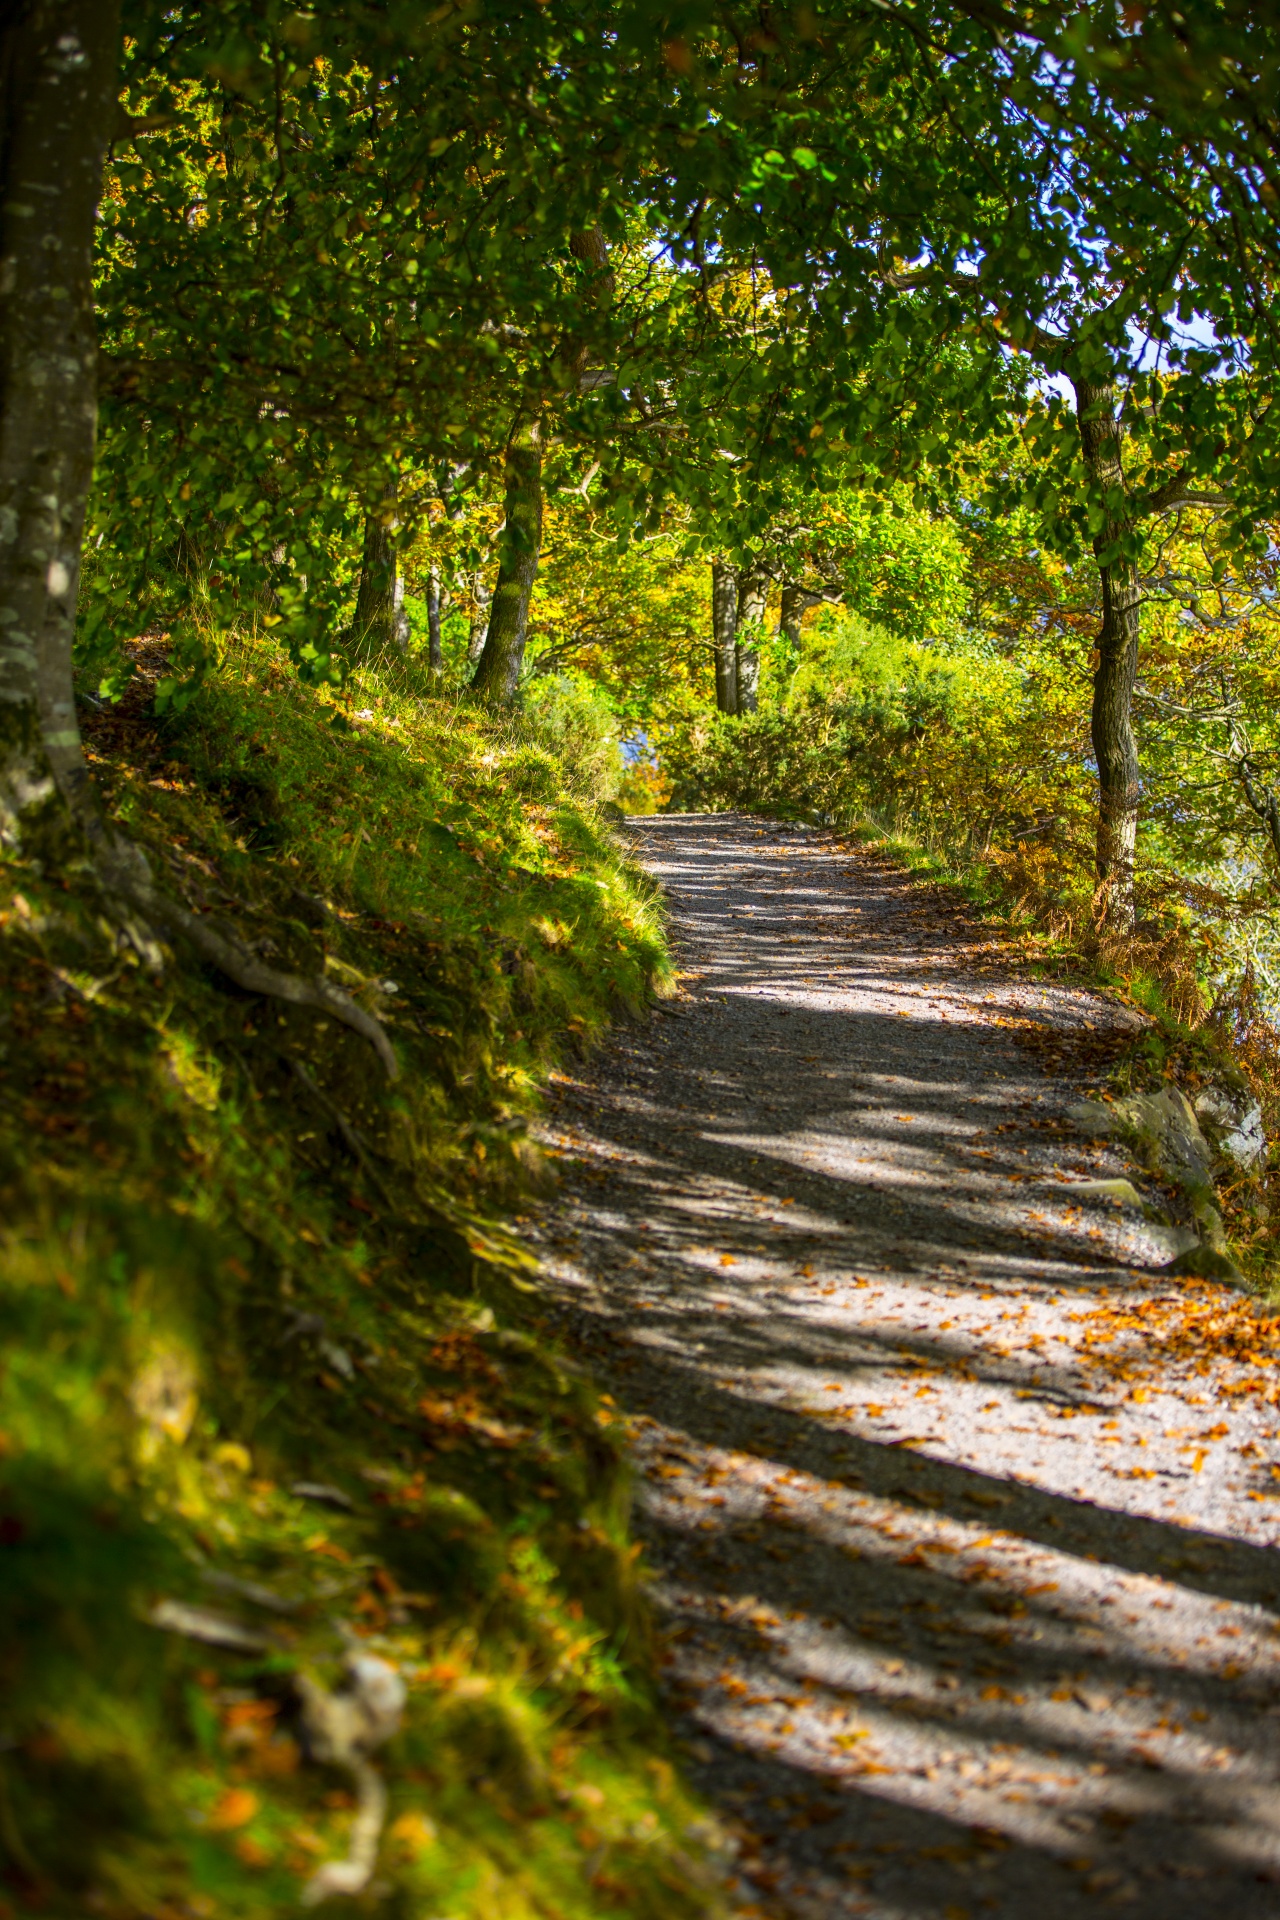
[963, 1522]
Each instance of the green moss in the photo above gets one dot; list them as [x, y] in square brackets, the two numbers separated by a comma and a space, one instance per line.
[237, 1262]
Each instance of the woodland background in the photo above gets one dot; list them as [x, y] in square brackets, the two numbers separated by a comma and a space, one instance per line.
[421, 432]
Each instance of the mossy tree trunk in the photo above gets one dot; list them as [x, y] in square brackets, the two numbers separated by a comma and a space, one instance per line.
[497, 673]
[58, 64]
[498, 669]
[381, 625]
[753, 594]
[1111, 723]
[724, 632]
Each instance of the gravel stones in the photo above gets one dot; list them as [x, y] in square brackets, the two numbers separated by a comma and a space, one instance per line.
[961, 1513]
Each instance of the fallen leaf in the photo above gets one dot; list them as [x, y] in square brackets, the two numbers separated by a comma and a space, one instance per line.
[235, 1809]
[413, 1832]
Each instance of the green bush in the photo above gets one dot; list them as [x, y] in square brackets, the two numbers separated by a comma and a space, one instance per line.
[572, 719]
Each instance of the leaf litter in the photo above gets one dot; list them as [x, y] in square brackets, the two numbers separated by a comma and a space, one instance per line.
[961, 1519]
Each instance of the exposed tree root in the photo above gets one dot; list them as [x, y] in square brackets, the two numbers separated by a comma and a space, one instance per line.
[123, 870]
[340, 1729]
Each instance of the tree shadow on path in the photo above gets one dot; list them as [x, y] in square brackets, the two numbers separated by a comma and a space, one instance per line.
[934, 1660]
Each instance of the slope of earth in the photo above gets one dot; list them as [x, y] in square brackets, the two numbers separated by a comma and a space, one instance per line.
[299, 1525]
[962, 1517]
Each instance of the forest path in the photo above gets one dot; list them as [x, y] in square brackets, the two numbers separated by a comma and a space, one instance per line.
[962, 1521]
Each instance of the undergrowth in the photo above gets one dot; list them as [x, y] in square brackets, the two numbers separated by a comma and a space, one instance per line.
[269, 1357]
[1186, 1037]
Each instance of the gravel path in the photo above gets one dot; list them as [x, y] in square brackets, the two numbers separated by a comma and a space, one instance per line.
[962, 1522]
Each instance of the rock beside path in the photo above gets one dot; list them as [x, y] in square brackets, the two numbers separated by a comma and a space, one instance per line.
[963, 1515]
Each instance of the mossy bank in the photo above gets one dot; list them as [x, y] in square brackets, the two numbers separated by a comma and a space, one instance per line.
[274, 1398]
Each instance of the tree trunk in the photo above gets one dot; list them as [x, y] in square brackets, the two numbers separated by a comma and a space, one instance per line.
[58, 65]
[1114, 747]
[58, 107]
[481, 601]
[724, 631]
[497, 673]
[753, 593]
[796, 602]
[435, 651]
[380, 622]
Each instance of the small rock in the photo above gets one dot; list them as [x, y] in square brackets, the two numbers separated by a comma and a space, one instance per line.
[1234, 1124]
[1203, 1262]
[1209, 1221]
[1123, 1192]
[1171, 1241]
[1167, 1122]
[1092, 1118]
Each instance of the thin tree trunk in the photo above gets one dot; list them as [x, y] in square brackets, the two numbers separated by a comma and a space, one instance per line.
[796, 602]
[1111, 726]
[724, 630]
[435, 651]
[497, 673]
[753, 593]
[380, 622]
[1114, 747]
[481, 601]
[58, 65]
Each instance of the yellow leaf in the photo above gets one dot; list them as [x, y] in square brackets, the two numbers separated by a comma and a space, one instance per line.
[413, 1832]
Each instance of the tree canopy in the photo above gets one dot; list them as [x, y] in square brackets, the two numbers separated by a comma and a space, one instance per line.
[375, 292]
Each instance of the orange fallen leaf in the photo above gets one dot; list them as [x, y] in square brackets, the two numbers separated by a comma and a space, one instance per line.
[235, 1809]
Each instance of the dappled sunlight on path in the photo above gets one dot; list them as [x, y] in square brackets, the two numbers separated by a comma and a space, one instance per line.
[961, 1516]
